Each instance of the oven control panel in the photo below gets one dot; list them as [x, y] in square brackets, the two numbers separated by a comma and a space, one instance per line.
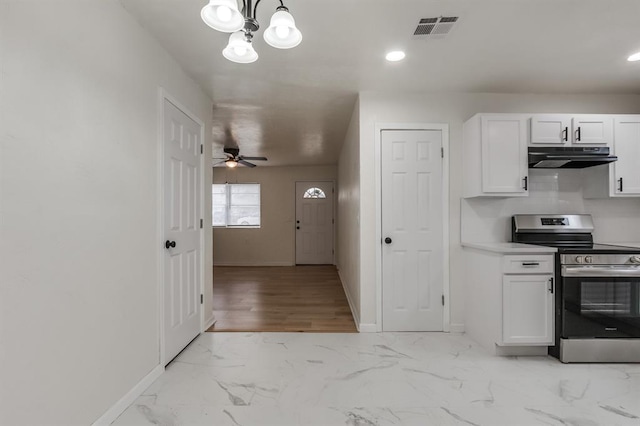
[599, 259]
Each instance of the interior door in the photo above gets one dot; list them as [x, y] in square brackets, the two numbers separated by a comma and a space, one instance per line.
[412, 252]
[182, 230]
[314, 223]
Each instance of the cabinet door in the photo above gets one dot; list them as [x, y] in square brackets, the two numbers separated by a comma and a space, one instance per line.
[527, 309]
[504, 155]
[550, 129]
[592, 130]
[627, 149]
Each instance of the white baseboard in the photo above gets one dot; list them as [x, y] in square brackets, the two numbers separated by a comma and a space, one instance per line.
[354, 312]
[240, 263]
[368, 328]
[456, 328]
[209, 322]
[118, 408]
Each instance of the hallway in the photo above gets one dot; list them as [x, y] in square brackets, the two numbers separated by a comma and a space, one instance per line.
[288, 298]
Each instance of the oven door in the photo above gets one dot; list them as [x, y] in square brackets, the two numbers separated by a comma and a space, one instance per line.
[600, 301]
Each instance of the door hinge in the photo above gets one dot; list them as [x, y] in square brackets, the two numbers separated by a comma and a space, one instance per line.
[201, 299]
[443, 300]
[333, 221]
[201, 223]
[442, 152]
[201, 149]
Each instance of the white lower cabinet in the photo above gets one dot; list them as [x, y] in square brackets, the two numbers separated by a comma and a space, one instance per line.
[509, 304]
[527, 309]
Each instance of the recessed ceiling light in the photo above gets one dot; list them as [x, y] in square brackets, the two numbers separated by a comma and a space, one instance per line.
[634, 57]
[396, 55]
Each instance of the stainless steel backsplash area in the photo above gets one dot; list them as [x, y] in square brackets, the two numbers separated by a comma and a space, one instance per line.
[550, 191]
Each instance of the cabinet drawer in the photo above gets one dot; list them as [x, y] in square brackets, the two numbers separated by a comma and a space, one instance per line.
[528, 264]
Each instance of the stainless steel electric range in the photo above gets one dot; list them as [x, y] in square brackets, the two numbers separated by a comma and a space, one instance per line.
[597, 298]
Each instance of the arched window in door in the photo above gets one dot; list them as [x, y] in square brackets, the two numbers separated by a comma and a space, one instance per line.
[314, 193]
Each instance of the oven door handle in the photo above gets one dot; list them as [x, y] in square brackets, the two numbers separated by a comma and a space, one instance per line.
[600, 271]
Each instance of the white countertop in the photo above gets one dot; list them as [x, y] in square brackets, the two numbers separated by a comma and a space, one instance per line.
[513, 248]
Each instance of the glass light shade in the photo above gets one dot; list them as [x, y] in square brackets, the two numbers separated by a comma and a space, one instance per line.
[231, 164]
[222, 15]
[239, 49]
[282, 32]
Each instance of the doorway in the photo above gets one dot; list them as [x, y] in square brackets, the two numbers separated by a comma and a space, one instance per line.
[413, 230]
[314, 223]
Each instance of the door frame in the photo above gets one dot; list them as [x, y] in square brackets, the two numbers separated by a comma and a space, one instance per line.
[162, 96]
[295, 212]
[444, 128]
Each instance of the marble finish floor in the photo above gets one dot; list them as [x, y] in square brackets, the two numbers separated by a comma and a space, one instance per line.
[380, 379]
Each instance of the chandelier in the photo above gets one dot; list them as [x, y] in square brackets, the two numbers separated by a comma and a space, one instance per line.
[224, 15]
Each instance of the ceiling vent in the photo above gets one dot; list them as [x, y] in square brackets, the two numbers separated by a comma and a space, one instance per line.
[435, 27]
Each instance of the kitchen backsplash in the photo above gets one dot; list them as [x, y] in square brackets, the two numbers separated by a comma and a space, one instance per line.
[551, 191]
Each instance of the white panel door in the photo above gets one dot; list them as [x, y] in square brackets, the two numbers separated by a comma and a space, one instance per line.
[182, 230]
[314, 223]
[412, 246]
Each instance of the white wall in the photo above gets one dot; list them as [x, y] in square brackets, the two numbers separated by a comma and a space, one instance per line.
[551, 191]
[273, 244]
[453, 109]
[78, 195]
[348, 247]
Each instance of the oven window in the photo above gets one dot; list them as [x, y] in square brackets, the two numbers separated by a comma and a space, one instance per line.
[605, 298]
[600, 307]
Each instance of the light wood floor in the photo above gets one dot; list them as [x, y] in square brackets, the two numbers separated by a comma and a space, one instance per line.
[292, 298]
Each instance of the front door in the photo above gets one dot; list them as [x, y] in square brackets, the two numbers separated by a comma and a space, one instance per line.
[314, 223]
[412, 252]
[182, 230]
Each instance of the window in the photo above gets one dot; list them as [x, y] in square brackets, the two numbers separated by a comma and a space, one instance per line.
[314, 193]
[236, 205]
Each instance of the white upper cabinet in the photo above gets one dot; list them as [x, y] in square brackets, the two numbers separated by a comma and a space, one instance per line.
[571, 129]
[621, 178]
[626, 171]
[495, 156]
[550, 129]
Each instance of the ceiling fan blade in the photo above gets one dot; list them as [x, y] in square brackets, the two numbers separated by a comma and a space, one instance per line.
[246, 163]
[218, 162]
[242, 157]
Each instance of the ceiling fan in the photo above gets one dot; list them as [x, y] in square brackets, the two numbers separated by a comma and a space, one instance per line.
[233, 158]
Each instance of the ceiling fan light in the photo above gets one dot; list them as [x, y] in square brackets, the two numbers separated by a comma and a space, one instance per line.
[231, 164]
[282, 32]
[222, 15]
[240, 49]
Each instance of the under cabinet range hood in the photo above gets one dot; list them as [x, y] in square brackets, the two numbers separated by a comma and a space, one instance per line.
[569, 157]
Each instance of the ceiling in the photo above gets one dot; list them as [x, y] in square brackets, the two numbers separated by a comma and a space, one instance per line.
[294, 106]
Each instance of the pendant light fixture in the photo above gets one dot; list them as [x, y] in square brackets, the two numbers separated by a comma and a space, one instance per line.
[225, 16]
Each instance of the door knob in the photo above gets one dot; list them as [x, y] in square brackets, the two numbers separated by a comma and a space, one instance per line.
[388, 240]
[168, 244]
